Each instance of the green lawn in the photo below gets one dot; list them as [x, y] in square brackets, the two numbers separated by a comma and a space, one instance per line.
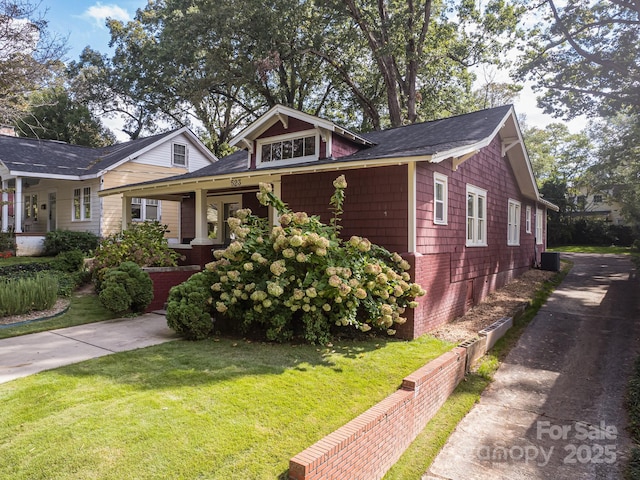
[591, 249]
[21, 260]
[83, 309]
[213, 409]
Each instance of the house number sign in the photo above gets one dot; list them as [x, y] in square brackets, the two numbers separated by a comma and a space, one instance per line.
[236, 182]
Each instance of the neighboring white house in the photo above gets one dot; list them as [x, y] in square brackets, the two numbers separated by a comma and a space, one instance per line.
[54, 185]
[597, 205]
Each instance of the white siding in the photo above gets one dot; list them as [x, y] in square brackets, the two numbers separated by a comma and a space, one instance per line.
[161, 155]
[64, 205]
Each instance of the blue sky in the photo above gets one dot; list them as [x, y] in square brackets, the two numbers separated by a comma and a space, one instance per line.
[83, 21]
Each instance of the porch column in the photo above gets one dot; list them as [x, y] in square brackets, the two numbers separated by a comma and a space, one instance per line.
[412, 208]
[17, 206]
[5, 205]
[126, 212]
[202, 228]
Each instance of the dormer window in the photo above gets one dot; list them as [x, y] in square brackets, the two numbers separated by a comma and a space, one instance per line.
[298, 147]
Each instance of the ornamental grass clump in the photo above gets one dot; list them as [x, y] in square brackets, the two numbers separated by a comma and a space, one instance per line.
[301, 278]
[27, 294]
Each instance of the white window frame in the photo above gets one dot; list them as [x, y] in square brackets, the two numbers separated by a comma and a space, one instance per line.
[219, 201]
[476, 236]
[284, 137]
[81, 198]
[144, 202]
[539, 226]
[173, 155]
[513, 223]
[443, 180]
[527, 219]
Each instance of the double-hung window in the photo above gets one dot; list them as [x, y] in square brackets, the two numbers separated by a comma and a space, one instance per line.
[440, 199]
[539, 226]
[179, 155]
[476, 217]
[82, 203]
[513, 223]
[527, 219]
[143, 209]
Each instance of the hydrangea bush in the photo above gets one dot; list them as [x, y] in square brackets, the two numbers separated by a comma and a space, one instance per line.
[301, 278]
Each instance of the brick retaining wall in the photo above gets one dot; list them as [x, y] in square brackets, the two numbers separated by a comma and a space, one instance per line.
[366, 447]
[163, 279]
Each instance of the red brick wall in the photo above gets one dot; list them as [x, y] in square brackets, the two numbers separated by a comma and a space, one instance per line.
[369, 445]
[163, 279]
[375, 206]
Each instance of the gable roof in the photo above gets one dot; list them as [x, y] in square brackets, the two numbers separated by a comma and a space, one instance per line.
[31, 157]
[458, 137]
[280, 113]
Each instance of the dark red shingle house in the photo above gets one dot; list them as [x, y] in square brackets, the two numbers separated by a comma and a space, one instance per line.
[456, 197]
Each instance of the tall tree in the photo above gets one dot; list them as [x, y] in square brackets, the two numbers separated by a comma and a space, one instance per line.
[584, 56]
[559, 155]
[29, 56]
[411, 43]
[618, 167]
[56, 116]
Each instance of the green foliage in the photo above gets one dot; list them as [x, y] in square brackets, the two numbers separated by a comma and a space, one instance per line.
[598, 232]
[142, 243]
[54, 115]
[584, 57]
[189, 308]
[26, 294]
[58, 241]
[363, 65]
[68, 282]
[126, 288]
[7, 242]
[69, 261]
[300, 278]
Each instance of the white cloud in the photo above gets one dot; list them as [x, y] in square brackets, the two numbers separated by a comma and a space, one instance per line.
[99, 13]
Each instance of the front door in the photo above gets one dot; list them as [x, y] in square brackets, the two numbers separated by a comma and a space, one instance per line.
[52, 211]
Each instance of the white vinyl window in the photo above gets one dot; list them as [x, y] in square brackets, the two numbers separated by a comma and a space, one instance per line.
[145, 209]
[82, 203]
[179, 155]
[527, 219]
[513, 223]
[476, 217]
[440, 199]
[290, 148]
[539, 226]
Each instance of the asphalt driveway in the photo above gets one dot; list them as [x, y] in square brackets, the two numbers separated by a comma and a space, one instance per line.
[556, 407]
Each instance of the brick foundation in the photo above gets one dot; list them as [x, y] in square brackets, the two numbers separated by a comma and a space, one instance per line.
[163, 279]
[366, 447]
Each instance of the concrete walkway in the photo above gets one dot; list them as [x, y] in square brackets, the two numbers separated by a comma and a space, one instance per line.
[28, 354]
[556, 407]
